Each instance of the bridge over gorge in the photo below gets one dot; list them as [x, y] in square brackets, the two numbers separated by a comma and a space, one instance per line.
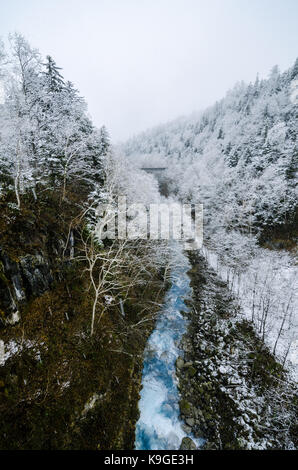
[154, 170]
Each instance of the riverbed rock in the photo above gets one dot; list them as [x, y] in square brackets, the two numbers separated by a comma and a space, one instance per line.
[186, 408]
[199, 433]
[190, 422]
[191, 371]
[187, 364]
[186, 428]
[187, 444]
[179, 362]
[210, 446]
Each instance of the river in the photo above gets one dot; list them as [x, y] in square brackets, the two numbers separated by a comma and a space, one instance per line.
[159, 426]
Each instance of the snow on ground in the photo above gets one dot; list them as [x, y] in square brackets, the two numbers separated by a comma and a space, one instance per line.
[267, 291]
[12, 347]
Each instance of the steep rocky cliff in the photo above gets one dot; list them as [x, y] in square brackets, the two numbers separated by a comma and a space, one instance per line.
[60, 388]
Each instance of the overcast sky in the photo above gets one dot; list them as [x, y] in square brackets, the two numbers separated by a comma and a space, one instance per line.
[142, 62]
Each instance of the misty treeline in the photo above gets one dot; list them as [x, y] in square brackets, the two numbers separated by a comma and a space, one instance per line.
[239, 158]
[47, 139]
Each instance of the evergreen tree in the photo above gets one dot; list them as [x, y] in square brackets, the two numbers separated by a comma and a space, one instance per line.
[294, 73]
[54, 77]
[104, 141]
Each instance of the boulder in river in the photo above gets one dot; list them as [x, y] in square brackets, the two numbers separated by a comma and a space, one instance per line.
[179, 362]
[187, 444]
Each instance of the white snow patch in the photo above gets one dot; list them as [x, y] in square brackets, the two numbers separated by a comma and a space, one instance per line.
[13, 347]
[269, 279]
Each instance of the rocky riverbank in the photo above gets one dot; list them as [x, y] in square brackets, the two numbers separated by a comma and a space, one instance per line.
[233, 392]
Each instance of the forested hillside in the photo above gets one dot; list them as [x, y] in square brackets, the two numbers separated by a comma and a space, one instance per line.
[239, 158]
[47, 138]
[75, 311]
